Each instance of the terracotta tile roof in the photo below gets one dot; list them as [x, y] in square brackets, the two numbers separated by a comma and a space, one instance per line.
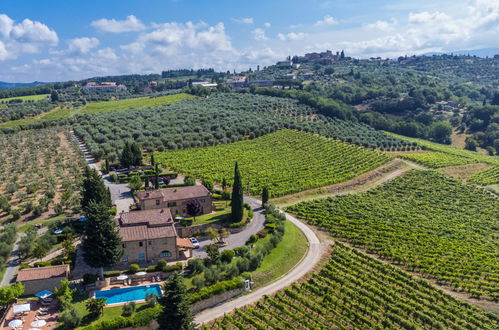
[41, 273]
[140, 233]
[174, 194]
[185, 243]
[152, 217]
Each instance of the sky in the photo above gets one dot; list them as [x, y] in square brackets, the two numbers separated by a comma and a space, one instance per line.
[59, 40]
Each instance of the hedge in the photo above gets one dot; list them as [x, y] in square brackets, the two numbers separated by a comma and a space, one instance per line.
[218, 288]
[139, 319]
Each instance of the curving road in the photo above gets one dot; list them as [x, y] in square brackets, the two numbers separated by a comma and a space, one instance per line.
[312, 257]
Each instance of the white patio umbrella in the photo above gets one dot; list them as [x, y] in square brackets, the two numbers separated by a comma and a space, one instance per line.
[38, 323]
[141, 273]
[15, 323]
[122, 277]
[21, 308]
[34, 329]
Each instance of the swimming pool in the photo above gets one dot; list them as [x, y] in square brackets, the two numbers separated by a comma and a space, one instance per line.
[115, 296]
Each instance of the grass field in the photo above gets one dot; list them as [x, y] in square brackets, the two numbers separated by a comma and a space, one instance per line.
[354, 291]
[26, 98]
[287, 161]
[424, 221]
[283, 257]
[135, 103]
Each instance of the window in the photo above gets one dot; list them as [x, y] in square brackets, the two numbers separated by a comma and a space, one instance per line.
[157, 201]
[124, 258]
[142, 257]
[150, 242]
[123, 245]
[172, 204]
[165, 254]
[141, 244]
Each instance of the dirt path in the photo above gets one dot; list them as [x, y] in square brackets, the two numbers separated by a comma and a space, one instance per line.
[362, 183]
[316, 249]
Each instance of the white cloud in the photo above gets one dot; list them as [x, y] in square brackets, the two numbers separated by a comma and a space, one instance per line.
[244, 20]
[327, 20]
[26, 36]
[292, 36]
[172, 38]
[130, 24]
[82, 45]
[384, 26]
[259, 34]
[267, 25]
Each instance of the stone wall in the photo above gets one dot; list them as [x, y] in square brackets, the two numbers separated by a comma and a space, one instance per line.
[215, 300]
[32, 287]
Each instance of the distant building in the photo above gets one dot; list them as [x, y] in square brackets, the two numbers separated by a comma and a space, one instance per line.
[175, 199]
[284, 64]
[104, 86]
[204, 84]
[42, 278]
[150, 235]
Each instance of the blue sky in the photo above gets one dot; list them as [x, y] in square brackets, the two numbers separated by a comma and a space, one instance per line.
[59, 40]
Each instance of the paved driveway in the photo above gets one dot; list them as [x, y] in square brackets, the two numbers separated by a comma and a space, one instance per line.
[238, 239]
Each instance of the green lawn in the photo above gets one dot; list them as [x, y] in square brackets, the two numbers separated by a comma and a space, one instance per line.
[283, 258]
[109, 313]
[135, 103]
[44, 222]
[221, 214]
[26, 98]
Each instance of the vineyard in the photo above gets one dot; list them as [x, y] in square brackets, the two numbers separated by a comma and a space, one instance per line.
[40, 174]
[354, 291]
[218, 119]
[437, 159]
[475, 157]
[487, 177]
[286, 161]
[424, 221]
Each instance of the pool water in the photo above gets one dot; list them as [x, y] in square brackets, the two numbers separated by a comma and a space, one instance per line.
[115, 296]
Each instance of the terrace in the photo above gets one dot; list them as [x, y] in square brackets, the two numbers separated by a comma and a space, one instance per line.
[32, 314]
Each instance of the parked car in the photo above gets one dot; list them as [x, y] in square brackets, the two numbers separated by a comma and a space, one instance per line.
[195, 242]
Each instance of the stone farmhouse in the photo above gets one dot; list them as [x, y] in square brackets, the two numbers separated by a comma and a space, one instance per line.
[150, 235]
[175, 199]
[42, 278]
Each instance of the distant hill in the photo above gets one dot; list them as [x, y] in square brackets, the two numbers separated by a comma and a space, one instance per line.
[484, 52]
[7, 85]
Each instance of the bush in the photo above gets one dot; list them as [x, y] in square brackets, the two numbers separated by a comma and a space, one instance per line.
[227, 256]
[151, 269]
[70, 318]
[189, 180]
[140, 319]
[218, 288]
[160, 265]
[16, 214]
[270, 227]
[247, 206]
[186, 222]
[112, 273]
[129, 309]
[42, 264]
[196, 265]
[252, 239]
[262, 234]
[89, 278]
[151, 299]
[24, 266]
[134, 268]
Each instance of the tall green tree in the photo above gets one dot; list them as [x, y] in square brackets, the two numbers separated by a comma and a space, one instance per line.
[176, 314]
[153, 162]
[9, 293]
[126, 156]
[265, 195]
[135, 183]
[237, 203]
[54, 96]
[101, 242]
[156, 176]
[93, 189]
[136, 153]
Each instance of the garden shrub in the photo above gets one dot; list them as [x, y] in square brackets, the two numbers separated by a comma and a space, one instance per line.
[134, 268]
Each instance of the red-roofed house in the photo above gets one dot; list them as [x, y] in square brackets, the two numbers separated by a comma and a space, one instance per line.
[175, 199]
[150, 235]
[42, 278]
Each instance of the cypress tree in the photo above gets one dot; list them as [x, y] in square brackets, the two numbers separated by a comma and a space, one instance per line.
[237, 210]
[265, 195]
[101, 243]
[107, 165]
[136, 154]
[152, 160]
[176, 313]
[93, 189]
[156, 179]
[126, 156]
